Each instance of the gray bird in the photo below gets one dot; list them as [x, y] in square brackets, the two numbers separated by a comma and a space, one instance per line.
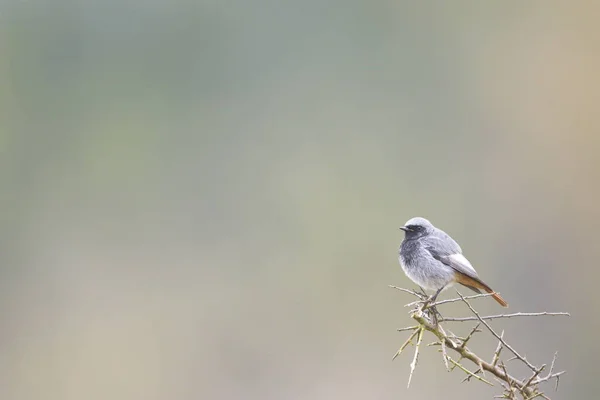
[434, 261]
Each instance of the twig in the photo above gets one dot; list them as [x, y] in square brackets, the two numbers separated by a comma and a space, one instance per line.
[552, 363]
[493, 332]
[453, 335]
[473, 331]
[413, 364]
[414, 303]
[511, 392]
[445, 354]
[478, 370]
[551, 374]
[454, 366]
[468, 377]
[535, 374]
[464, 343]
[498, 350]
[482, 370]
[469, 373]
[408, 291]
[437, 303]
[555, 375]
[408, 328]
[475, 296]
[406, 343]
[538, 394]
[519, 314]
[504, 386]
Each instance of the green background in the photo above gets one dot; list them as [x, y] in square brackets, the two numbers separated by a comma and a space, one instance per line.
[201, 200]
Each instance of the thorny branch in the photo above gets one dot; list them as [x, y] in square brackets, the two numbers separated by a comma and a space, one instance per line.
[527, 388]
[519, 314]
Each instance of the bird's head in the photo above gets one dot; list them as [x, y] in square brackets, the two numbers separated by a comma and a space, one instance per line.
[417, 227]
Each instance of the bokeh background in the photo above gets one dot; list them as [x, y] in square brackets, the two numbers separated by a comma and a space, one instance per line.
[201, 200]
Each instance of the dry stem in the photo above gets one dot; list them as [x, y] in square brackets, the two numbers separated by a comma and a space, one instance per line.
[527, 389]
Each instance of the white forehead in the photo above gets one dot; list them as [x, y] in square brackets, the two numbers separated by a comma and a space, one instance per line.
[419, 221]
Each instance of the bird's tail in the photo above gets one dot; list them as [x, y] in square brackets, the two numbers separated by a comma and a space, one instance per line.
[495, 295]
[476, 284]
[498, 298]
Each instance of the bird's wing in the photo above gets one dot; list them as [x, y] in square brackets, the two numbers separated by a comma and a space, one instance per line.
[460, 264]
[443, 248]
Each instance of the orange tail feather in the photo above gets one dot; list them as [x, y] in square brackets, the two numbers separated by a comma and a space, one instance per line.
[498, 298]
[475, 284]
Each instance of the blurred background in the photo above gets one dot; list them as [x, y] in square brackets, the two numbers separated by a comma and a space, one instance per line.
[202, 199]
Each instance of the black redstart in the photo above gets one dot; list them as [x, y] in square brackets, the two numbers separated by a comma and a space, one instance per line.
[434, 261]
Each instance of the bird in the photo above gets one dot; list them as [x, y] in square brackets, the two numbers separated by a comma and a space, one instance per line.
[434, 261]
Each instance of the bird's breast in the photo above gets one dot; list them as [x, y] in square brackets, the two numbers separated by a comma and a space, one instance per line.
[409, 251]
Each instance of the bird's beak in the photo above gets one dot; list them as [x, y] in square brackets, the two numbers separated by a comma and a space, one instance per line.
[405, 229]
